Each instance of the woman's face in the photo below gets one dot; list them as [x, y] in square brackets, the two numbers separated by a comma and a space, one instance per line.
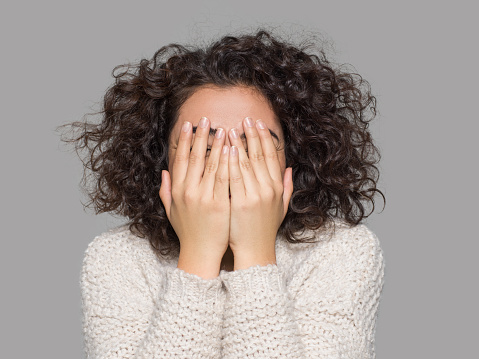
[226, 108]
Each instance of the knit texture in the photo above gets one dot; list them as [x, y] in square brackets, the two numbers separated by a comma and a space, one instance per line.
[320, 300]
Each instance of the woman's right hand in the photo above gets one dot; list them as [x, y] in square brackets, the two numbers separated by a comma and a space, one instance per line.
[196, 199]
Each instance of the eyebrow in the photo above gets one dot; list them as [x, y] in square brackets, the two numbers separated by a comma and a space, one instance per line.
[242, 136]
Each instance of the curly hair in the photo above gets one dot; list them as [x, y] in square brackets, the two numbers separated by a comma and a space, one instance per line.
[324, 113]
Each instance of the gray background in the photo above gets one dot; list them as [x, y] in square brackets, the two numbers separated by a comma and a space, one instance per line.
[421, 60]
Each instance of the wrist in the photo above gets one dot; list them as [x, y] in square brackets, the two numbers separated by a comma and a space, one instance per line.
[245, 259]
[204, 265]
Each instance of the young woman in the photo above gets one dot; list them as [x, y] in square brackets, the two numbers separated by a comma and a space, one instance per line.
[245, 170]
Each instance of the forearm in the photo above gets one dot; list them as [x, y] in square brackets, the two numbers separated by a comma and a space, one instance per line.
[258, 319]
[188, 319]
[126, 314]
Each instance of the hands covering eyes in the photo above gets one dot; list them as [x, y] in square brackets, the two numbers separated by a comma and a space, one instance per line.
[196, 196]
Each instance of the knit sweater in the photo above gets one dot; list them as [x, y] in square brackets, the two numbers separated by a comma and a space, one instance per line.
[320, 300]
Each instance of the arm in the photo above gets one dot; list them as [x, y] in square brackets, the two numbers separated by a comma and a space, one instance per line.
[259, 320]
[124, 316]
[330, 311]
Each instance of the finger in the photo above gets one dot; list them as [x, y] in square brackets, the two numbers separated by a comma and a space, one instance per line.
[165, 191]
[212, 163]
[222, 185]
[255, 152]
[180, 163]
[288, 189]
[250, 183]
[270, 152]
[237, 186]
[196, 161]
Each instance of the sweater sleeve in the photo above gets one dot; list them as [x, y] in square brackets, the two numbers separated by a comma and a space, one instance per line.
[123, 317]
[331, 314]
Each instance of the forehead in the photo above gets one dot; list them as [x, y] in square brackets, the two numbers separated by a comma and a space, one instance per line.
[226, 108]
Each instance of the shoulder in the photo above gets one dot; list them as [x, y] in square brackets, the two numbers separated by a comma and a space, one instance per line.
[118, 256]
[351, 246]
[342, 257]
[115, 243]
[337, 239]
[119, 274]
[359, 239]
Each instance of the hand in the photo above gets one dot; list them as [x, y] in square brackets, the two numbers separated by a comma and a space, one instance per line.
[259, 199]
[196, 198]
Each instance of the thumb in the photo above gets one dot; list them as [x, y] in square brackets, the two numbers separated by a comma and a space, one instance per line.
[165, 191]
[288, 189]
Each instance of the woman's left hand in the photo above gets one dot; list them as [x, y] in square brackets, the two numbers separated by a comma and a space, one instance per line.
[259, 196]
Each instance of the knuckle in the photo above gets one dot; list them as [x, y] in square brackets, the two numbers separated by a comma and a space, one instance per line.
[242, 207]
[268, 193]
[245, 165]
[176, 193]
[251, 202]
[194, 158]
[224, 160]
[189, 195]
[253, 134]
[278, 188]
[221, 179]
[271, 156]
[184, 137]
[210, 167]
[257, 157]
[180, 158]
[236, 179]
[201, 133]
[220, 206]
[254, 200]
[205, 202]
[238, 206]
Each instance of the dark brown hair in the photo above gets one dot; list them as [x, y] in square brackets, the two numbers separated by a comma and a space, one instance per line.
[324, 113]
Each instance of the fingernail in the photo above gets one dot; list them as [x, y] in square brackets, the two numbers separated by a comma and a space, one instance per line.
[203, 122]
[225, 149]
[219, 133]
[186, 126]
[249, 122]
[234, 151]
[260, 124]
[234, 133]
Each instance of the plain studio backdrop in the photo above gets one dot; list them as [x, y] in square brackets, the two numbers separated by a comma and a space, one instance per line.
[421, 61]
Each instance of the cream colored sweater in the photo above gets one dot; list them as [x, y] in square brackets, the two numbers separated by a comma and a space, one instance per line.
[319, 301]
